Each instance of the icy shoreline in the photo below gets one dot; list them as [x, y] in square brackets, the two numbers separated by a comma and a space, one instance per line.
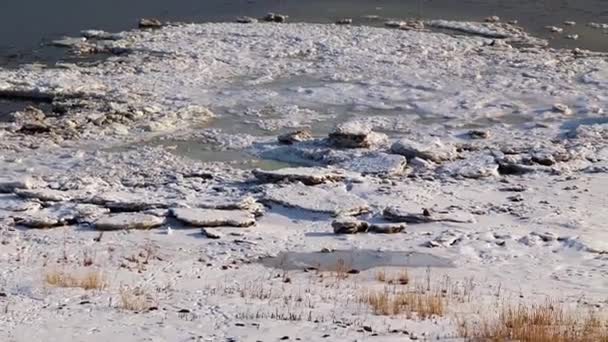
[490, 155]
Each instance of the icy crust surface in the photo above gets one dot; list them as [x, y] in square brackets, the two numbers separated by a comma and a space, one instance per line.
[455, 147]
[172, 76]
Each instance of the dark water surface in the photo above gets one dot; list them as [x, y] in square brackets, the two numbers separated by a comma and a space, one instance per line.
[25, 25]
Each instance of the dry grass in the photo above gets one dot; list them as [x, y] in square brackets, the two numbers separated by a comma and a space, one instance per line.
[546, 322]
[134, 299]
[91, 280]
[141, 259]
[381, 276]
[401, 278]
[283, 314]
[87, 258]
[389, 302]
[340, 269]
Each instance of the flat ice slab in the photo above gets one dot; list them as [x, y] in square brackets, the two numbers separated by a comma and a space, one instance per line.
[306, 175]
[334, 200]
[129, 221]
[214, 218]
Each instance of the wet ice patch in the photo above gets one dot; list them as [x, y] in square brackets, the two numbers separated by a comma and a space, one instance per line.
[359, 259]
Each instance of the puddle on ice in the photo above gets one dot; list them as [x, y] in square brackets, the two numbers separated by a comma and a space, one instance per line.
[202, 152]
[359, 259]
